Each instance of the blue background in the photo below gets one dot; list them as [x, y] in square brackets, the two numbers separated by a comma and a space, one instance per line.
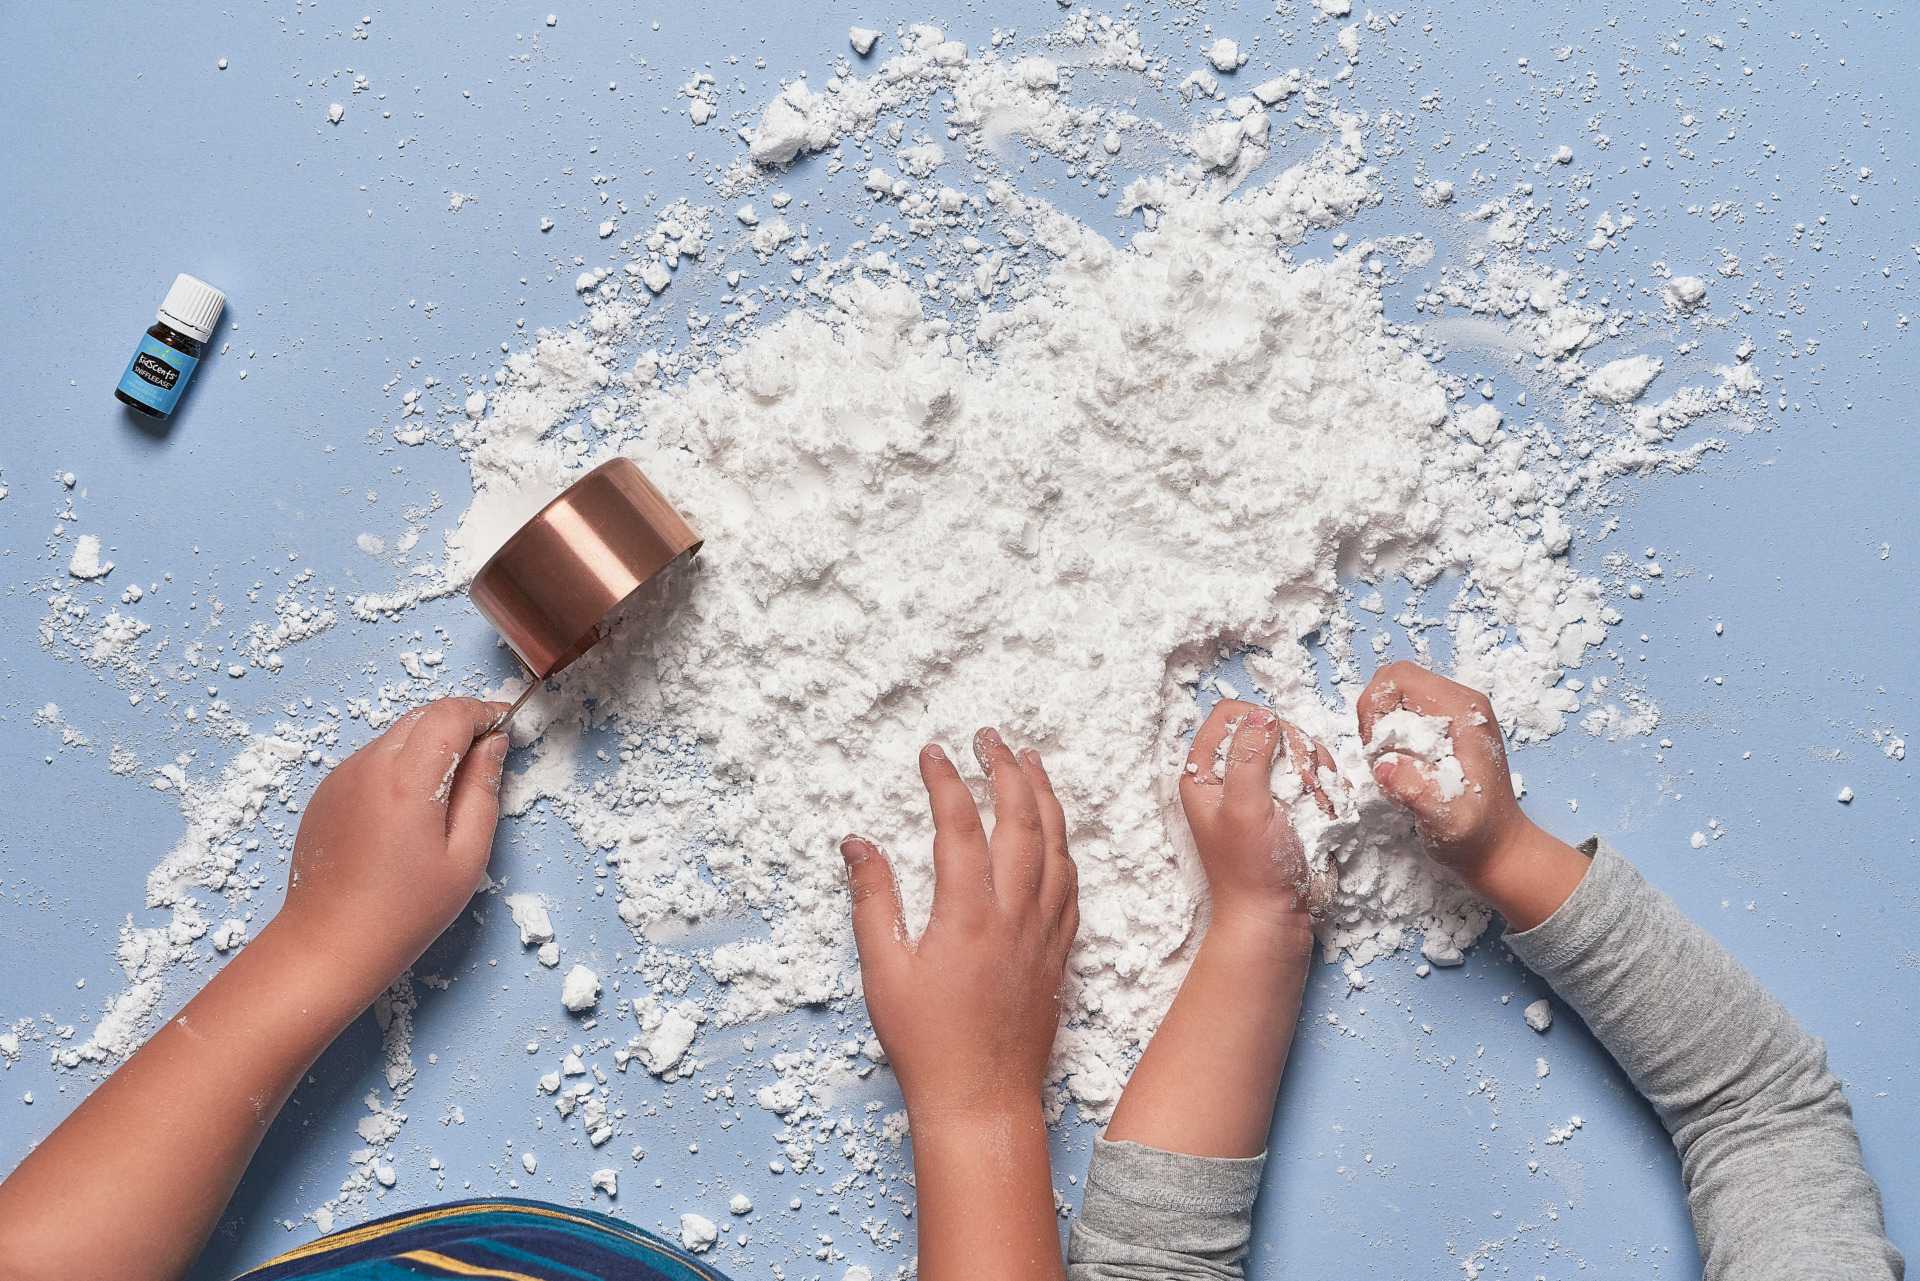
[129, 160]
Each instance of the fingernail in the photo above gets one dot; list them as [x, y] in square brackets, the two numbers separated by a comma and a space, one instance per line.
[936, 752]
[497, 747]
[1263, 718]
[855, 849]
[1383, 771]
[1031, 757]
[990, 736]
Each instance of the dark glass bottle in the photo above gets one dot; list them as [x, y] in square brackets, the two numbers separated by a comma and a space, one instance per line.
[167, 355]
[162, 375]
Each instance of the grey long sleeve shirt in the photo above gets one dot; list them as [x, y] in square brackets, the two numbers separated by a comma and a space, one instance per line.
[1767, 1146]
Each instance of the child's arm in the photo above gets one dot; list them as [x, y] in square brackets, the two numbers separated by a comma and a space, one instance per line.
[1170, 1189]
[1767, 1145]
[967, 1012]
[389, 852]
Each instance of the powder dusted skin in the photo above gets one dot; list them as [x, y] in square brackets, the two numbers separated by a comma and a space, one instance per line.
[1402, 732]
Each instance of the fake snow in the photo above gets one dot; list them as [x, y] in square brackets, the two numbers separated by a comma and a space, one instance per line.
[1621, 382]
[1539, 1015]
[697, 1234]
[86, 562]
[879, 552]
[580, 990]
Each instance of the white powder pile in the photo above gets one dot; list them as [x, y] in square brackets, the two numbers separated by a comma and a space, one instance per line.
[1620, 382]
[1052, 514]
[580, 990]
[1052, 529]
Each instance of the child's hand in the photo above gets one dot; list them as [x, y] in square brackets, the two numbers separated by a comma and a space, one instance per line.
[1470, 828]
[396, 839]
[1255, 865]
[1481, 833]
[967, 1013]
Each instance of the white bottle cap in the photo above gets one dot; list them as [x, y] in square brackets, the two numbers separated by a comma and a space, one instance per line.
[192, 307]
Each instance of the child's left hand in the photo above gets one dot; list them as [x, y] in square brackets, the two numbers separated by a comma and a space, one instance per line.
[1256, 867]
[967, 1012]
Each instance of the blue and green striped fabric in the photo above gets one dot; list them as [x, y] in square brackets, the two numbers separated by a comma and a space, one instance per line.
[507, 1239]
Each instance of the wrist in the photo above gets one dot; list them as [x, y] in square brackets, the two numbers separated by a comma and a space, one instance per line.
[1261, 930]
[1526, 875]
[322, 962]
[943, 1115]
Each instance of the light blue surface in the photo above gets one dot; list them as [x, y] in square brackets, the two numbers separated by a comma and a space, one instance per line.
[131, 159]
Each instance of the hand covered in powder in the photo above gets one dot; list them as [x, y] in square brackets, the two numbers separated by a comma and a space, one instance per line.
[1462, 819]
[967, 1013]
[1256, 867]
[1464, 809]
[396, 839]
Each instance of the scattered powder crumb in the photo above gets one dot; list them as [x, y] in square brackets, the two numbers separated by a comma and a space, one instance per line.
[697, 1234]
[580, 990]
[86, 562]
[1539, 1015]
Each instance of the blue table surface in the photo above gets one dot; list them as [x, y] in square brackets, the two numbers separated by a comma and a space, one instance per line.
[131, 158]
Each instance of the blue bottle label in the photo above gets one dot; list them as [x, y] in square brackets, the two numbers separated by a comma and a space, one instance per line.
[157, 374]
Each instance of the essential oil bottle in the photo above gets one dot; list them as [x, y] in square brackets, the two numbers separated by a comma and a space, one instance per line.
[165, 359]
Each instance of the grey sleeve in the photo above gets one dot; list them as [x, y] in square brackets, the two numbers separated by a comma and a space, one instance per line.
[1767, 1146]
[1150, 1215]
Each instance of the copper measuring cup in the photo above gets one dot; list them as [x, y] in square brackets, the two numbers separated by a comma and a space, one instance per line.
[549, 585]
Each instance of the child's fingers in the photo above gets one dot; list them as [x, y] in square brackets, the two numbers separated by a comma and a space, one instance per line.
[1307, 758]
[962, 872]
[438, 739]
[1382, 695]
[1407, 685]
[1476, 735]
[1056, 874]
[1061, 894]
[1200, 779]
[1408, 782]
[1019, 839]
[1248, 788]
[474, 809]
[1321, 887]
[879, 923]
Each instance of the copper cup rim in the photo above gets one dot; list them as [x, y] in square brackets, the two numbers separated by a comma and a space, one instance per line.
[676, 541]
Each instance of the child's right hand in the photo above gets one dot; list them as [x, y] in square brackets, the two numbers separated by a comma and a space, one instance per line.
[968, 1011]
[395, 840]
[1481, 834]
[1471, 827]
